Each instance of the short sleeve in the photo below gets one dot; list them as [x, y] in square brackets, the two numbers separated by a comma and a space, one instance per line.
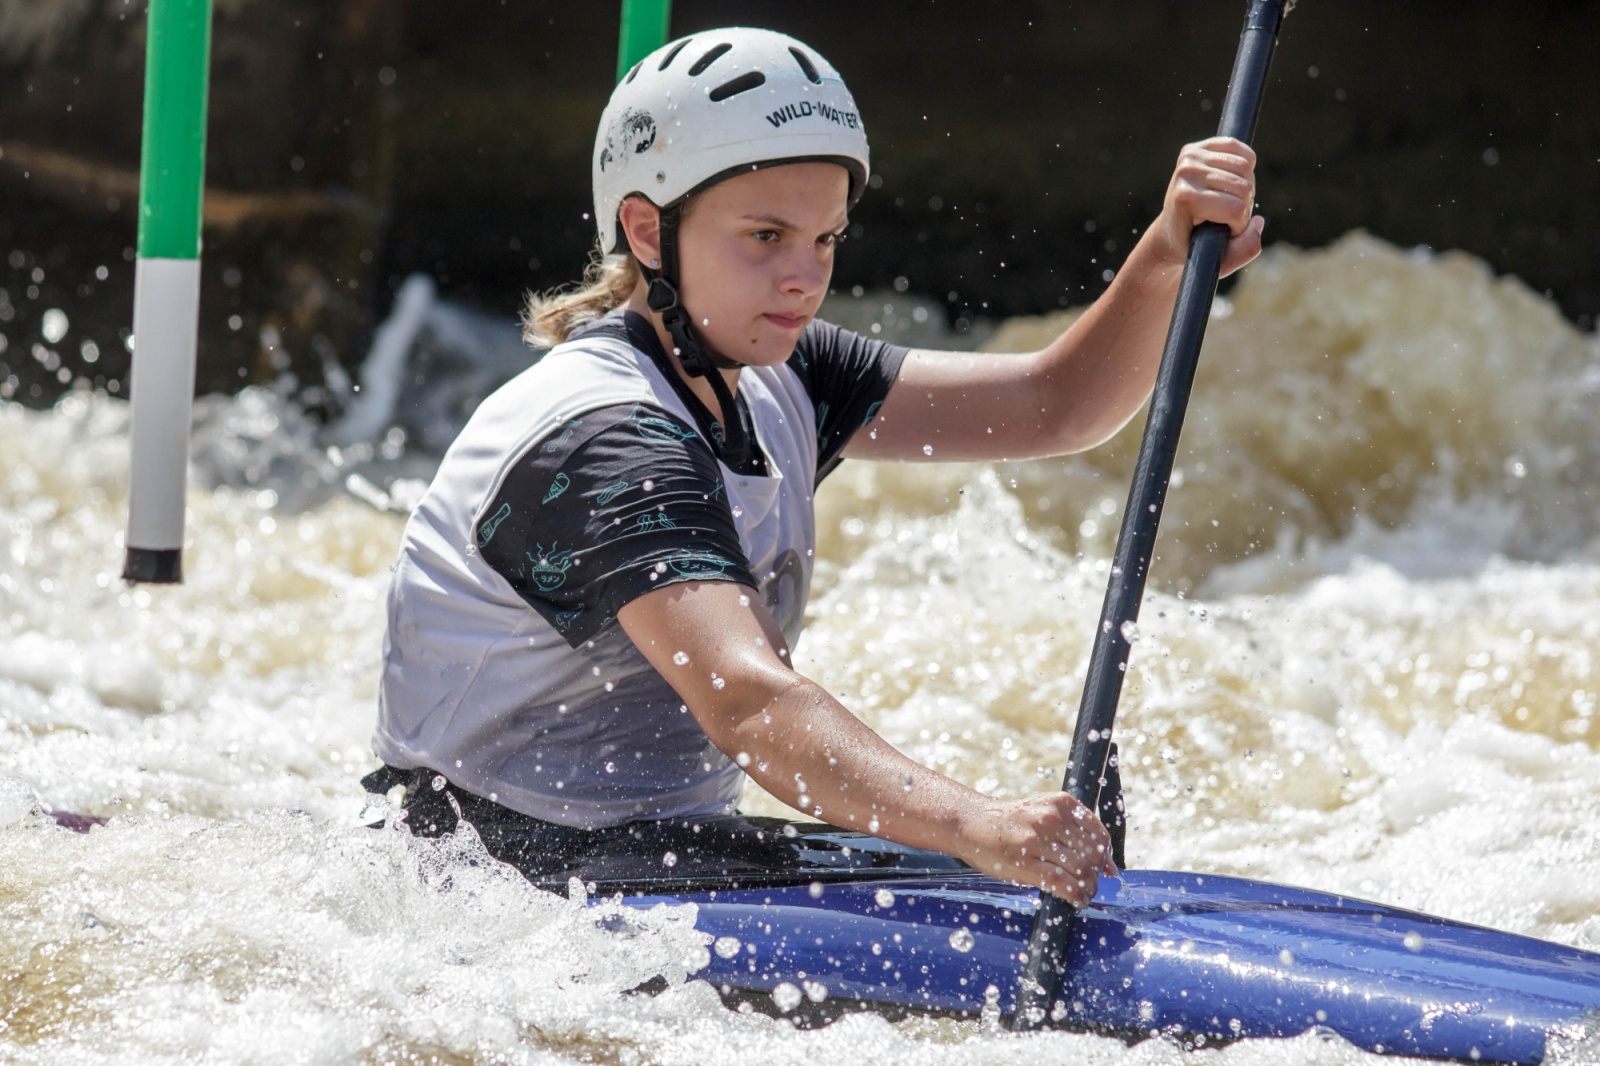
[605, 508]
[847, 377]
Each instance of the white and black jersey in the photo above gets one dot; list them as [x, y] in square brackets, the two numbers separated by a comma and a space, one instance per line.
[629, 498]
[588, 480]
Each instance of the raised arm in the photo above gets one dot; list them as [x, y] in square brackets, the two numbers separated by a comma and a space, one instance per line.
[726, 657]
[1080, 390]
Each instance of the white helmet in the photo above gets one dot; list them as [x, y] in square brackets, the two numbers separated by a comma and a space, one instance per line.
[704, 107]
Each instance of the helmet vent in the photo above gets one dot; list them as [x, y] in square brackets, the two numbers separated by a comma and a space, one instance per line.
[633, 73]
[738, 85]
[666, 60]
[709, 58]
[806, 66]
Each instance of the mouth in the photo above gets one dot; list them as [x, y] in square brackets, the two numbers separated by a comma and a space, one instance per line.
[788, 321]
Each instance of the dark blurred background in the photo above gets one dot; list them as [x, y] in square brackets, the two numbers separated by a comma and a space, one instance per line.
[1020, 144]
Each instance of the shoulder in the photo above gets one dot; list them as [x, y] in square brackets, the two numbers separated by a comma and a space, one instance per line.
[827, 350]
[818, 342]
[599, 368]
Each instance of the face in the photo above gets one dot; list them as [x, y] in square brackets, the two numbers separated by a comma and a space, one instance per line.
[755, 256]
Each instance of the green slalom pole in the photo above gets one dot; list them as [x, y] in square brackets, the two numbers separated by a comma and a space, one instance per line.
[166, 302]
[644, 29]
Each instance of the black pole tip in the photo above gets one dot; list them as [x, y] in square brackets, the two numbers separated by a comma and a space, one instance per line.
[153, 566]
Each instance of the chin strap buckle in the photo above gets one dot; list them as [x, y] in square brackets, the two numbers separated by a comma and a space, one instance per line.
[662, 295]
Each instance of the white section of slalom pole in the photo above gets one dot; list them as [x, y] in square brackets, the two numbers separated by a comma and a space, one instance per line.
[165, 310]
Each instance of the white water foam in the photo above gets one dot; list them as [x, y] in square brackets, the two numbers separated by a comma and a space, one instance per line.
[1380, 679]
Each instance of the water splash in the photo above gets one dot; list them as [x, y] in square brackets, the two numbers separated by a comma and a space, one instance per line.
[1390, 690]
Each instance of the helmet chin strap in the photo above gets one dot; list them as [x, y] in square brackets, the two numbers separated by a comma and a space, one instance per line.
[697, 360]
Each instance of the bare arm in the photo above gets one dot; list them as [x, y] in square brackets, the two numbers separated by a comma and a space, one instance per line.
[1080, 390]
[725, 656]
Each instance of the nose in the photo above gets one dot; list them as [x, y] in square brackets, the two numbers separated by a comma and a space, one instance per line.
[807, 272]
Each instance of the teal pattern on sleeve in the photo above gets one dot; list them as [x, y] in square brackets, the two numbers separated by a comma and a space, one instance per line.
[606, 508]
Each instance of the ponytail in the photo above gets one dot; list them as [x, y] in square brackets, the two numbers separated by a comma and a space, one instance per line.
[551, 316]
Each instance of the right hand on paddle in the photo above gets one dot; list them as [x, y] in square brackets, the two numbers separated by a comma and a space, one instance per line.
[1049, 841]
[1214, 181]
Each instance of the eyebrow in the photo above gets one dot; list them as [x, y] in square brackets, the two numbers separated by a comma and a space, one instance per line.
[783, 223]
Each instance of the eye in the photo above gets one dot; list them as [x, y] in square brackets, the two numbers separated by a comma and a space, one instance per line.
[832, 240]
[767, 236]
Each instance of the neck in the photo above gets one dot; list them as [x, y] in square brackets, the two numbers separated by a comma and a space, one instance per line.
[697, 385]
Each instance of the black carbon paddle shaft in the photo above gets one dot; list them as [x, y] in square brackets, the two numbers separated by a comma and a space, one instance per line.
[1091, 740]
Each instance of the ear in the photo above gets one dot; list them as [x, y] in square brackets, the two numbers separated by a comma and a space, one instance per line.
[641, 225]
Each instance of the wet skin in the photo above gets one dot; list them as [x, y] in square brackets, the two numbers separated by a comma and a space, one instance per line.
[756, 256]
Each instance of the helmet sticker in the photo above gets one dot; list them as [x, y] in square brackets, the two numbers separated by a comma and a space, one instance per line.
[633, 131]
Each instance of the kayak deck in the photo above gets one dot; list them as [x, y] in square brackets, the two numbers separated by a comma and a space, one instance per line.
[1205, 958]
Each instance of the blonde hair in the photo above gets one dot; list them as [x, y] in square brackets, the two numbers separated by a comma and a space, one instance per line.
[550, 317]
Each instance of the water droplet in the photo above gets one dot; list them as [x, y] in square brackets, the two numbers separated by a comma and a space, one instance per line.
[905, 785]
[743, 759]
[884, 898]
[1286, 957]
[680, 657]
[962, 940]
[53, 324]
[815, 890]
[1130, 632]
[786, 997]
[611, 767]
[872, 826]
[927, 449]
[717, 682]
[669, 859]
[438, 782]
[726, 946]
[737, 511]
[1413, 942]
[816, 991]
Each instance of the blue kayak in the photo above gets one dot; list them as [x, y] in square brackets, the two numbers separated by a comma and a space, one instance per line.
[1201, 958]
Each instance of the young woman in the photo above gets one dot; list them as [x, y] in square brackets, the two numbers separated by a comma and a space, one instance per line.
[591, 617]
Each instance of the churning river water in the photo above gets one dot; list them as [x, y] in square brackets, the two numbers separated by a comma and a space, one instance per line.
[1369, 662]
